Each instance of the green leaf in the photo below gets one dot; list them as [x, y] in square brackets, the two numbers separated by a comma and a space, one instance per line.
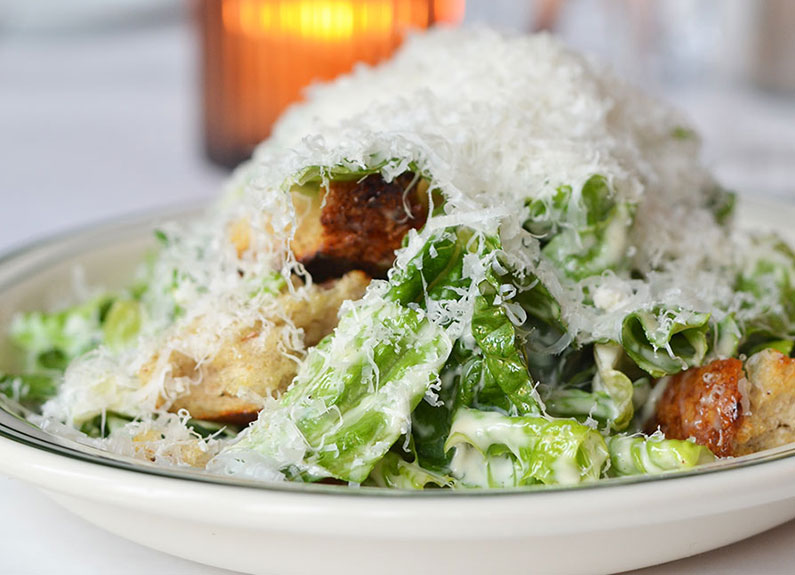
[208, 429]
[501, 361]
[104, 424]
[767, 284]
[539, 305]
[436, 271]
[612, 381]
[611, 398]
[162, 237]
[545, 215]
[122, 323]
[586, 236]
[53, 340]
[721, 203]
[310, 178]
[29, 389]
[727, 338]
[270, 283]
[490, 371]
[430, 422]
[683, 133]
[496, 450]
[665, 341]
[638, 454]
[316, 175]
[52, 359]
[579, 403]
[758, 341]
[393, 471]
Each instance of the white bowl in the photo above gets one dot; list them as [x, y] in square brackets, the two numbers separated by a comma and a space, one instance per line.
[614, 525]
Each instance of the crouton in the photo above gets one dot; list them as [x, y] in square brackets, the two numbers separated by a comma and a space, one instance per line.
[251, 364]
[351, 225]
[361, 224]
[731, 409]
[704, 403]
[771, 418]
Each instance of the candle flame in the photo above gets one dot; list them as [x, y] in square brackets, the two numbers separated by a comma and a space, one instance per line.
[322, 20]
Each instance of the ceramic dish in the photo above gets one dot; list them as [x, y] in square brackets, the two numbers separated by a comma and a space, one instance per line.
[610, 526]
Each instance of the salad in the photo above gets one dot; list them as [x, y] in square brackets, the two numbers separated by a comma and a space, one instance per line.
[486, 263]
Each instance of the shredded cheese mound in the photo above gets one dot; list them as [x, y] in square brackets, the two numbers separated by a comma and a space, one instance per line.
[497, 120]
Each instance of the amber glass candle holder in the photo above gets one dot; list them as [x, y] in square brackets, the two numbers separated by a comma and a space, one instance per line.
[259, 55]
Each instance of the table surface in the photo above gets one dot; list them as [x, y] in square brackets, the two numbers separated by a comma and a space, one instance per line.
[104, 124]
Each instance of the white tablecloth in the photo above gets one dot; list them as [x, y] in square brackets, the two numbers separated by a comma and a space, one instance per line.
[93, 126]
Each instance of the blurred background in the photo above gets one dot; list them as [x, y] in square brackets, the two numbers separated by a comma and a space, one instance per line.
[112, 107]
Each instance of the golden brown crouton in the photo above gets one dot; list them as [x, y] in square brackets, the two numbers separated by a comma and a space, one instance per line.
[731, 410]
[251, 363]
[361, 224]
[352, 225]
[704, 403]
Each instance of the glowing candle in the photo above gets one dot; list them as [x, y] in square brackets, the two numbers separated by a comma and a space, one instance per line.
[258, 55]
